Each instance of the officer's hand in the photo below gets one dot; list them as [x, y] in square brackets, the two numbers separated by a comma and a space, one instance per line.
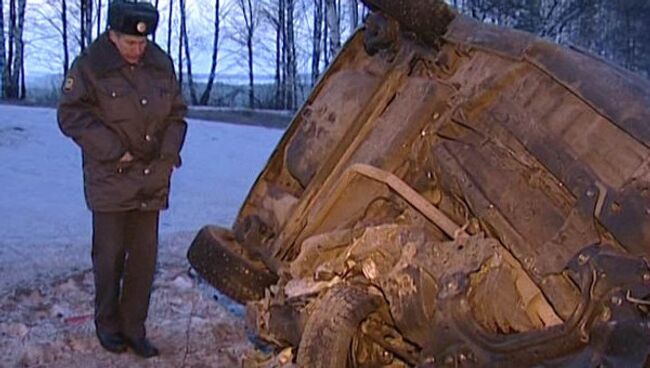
[126, 157]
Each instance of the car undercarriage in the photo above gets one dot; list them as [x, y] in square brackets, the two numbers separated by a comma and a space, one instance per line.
[451, 194]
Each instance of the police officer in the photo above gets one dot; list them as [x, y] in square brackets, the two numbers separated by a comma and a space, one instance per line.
[121, 104]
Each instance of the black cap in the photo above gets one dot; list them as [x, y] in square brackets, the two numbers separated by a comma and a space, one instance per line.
[132, 18]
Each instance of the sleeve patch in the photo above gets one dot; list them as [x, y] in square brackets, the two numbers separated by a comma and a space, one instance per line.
[68, 85]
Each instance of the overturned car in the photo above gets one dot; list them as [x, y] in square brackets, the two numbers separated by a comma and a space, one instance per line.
[451, 194]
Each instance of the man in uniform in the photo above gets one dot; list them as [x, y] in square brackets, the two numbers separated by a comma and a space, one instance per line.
[121, 104]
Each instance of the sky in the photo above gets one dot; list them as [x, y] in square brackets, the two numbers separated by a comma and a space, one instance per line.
[43, 39]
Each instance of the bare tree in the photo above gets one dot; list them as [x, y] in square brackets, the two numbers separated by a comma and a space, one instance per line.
[546, 18]
[354, 15]
[15, 60]
[82, 29]
[280, 57]
[89, 22]
[275, 14]
[23, 87]
[8, 85]
[99, 17]
[364, 12]
[205, 96]
[153, 36]
[3, 55]
[180, 58]
[316, 40]
[244, 35]
[188, 57]
[169, 27]
[55, 14]
[18, 68]
[85, 23]
[334, 25]
[64, 36]
[290, 46]
[289, 19]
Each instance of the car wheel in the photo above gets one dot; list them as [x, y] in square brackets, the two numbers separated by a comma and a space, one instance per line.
[329, 332]
[222, 262]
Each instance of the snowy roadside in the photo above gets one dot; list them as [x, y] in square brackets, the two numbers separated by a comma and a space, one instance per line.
[46, 285]
[44, 223]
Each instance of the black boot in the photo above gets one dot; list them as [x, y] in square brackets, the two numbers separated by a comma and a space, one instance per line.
[142, 347]
[113, 342]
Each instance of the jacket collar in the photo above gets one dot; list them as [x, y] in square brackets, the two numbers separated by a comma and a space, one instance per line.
[105, 57]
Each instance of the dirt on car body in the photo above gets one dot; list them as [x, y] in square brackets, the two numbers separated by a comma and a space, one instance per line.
[451, 194]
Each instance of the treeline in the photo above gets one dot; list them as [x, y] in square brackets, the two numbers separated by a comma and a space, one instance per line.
[291, 40]
[618, 30]
[12, 63]
[295, 40]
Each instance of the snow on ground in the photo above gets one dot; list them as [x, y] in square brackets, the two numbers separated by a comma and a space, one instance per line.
[41, 188]
[46, 284]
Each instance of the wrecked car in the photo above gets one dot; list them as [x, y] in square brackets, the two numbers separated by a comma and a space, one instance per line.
[452, 194]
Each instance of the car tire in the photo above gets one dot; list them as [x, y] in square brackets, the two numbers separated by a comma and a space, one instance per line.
[223, 263]
[328, 334]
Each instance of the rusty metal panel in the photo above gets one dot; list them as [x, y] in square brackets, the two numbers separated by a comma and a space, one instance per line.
[327, 119]
[616, 93]
[620, 95]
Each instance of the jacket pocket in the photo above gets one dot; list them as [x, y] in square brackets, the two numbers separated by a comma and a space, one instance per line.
[157, 178]
[162, 96]
[101, 179]
[115, 99]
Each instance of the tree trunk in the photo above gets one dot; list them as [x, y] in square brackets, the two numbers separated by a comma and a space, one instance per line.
[153, 36]
[326, 29]
[278, 60]
[205, 97]
[82, 24]
[169, 27]
[64, 33]
[354, 15]
[251, 78]
[316, 41]
[291, 57]
[8, 86]
[99, 17]
[282, 49]
[14, 61]
[249, 14]
[188, 57]
[364, 12]
[89, 22]
[20, 49]
[180, 61]
[334, 22]
[3, 55]
[23, 86]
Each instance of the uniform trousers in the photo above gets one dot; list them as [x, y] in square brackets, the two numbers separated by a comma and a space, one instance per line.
[124, 251]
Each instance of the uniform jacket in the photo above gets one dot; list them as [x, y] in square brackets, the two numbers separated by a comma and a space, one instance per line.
[109, 107]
